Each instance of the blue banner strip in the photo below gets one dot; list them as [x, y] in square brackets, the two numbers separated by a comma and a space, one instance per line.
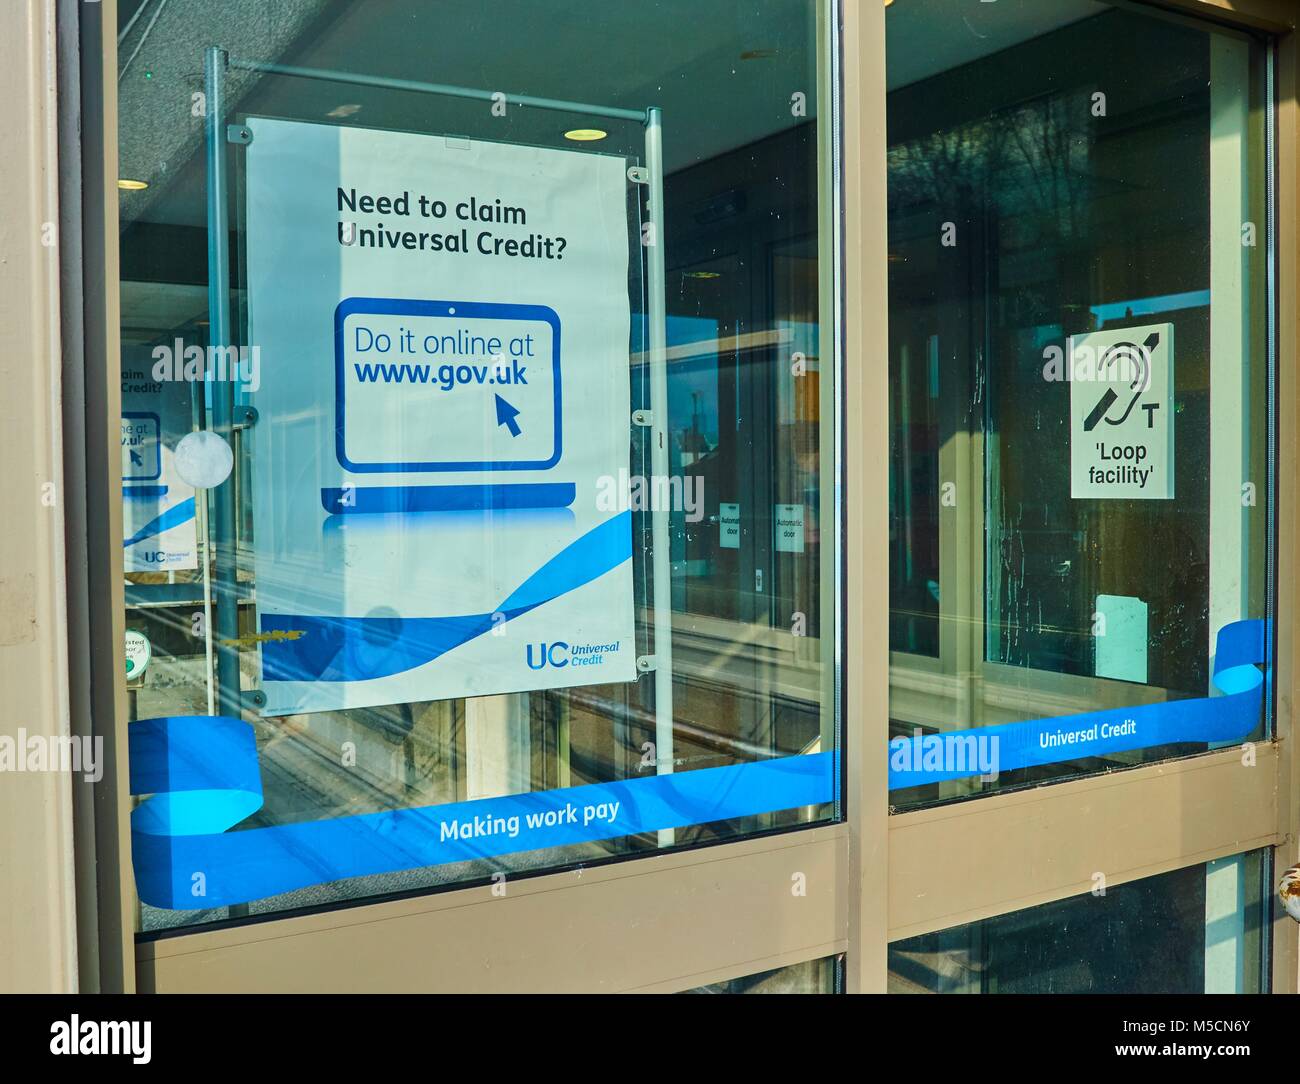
[932, 758]
[202, 772]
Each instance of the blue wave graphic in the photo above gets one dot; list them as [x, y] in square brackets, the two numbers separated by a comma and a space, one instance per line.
[358, 648]
[173, 517]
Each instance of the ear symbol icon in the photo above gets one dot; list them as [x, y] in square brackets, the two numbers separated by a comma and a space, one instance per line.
[1139, 358]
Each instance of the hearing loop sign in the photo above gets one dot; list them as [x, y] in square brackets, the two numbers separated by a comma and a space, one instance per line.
[1121, 414]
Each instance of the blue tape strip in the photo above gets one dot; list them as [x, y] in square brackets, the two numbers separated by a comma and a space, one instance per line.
[203, 776]
[180, 845]
[932, 758]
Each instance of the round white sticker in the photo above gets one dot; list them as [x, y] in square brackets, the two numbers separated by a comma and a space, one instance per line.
[138, 653]
[203, 459]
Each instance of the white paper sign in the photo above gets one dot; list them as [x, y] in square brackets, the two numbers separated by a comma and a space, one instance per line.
[444, 335]
[1121, 413]
[789, 519]
[729, 526]
[1121, 634]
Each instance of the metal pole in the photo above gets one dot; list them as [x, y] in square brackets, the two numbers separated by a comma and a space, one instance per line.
[223, 390]
[198, 420]
[555, 104]
[201, 514]
[660, 518]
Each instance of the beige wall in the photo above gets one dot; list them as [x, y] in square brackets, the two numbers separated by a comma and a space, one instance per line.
[37, 939]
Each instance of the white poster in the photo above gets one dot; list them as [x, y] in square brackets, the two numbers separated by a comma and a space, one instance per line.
[157, 507]
[443, 328]
[1121, 413]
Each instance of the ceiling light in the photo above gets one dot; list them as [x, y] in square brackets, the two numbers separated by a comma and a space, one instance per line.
[585, 135]
[132, 186]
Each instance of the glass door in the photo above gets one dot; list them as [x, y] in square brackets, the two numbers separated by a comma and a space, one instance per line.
[1081, 371]
[1075, 218]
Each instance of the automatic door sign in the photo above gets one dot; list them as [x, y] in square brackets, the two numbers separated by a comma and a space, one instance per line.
[1121, 414]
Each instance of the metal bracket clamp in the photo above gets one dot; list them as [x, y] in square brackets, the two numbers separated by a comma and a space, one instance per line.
[247, 417]
[239, 133]
[638, 174]
[255, 698]
[643, 417]
[646, 663]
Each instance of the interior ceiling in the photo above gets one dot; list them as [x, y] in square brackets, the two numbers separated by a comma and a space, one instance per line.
[153, 308]
[722, 71]
[160, 70]
[926, 37]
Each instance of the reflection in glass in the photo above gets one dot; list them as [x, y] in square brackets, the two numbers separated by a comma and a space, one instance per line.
[750, 388]
[1203, 929]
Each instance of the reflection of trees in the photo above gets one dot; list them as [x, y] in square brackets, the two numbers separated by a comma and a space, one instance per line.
[1050, 163]
[949, 169]
[1029, 163]
[1020, 179]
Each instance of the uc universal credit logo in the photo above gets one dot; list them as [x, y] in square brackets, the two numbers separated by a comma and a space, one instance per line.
[557, 654]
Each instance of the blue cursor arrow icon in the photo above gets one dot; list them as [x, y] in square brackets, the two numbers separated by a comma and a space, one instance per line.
[506, 415]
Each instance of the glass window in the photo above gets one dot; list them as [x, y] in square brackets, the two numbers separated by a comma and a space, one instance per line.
[1080, 378]
[474, 506]
[1203, 929]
